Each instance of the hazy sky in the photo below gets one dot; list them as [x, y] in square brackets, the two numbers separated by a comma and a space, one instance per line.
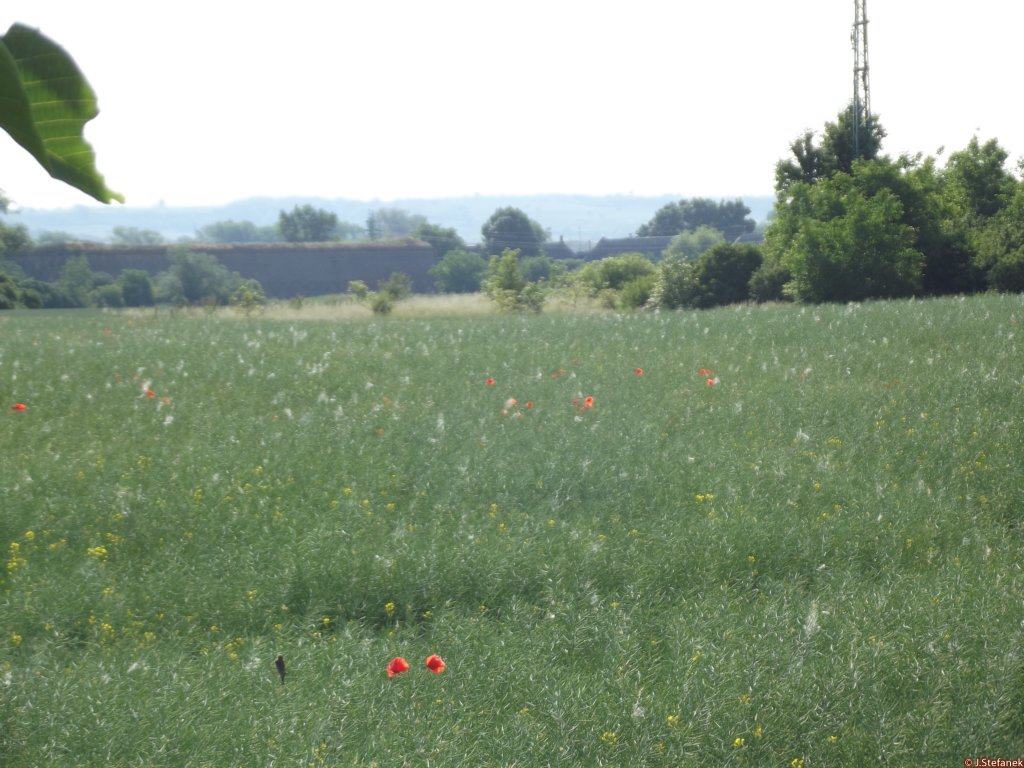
[203, 103]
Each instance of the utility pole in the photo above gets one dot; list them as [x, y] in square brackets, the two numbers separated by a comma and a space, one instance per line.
[861, 80]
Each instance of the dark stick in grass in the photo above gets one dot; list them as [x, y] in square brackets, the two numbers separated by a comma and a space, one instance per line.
[279, 663]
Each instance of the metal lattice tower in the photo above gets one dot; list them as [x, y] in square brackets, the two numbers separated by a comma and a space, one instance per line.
[861, 80]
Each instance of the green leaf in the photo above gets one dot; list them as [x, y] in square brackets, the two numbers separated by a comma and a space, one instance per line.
[45, 103]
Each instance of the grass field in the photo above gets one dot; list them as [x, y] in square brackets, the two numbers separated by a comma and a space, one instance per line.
[814, 562]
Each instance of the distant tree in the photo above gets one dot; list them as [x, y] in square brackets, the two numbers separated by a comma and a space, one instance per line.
[136, 288]
[691, 243]
[306, 224]
[77, 280]
[459, 272]
[108, 295]
[13, 238]
[511, 229]
[441, 239]
[614, 272]
[201, 277]
[10, 292]
[346, 230]
[388, 223]
[230, 231]
[58, 237]
[723, 274]
[731, 218]
[1001, 240]
[136, 236]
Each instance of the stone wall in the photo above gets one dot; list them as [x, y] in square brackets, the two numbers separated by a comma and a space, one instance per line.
[283, 269]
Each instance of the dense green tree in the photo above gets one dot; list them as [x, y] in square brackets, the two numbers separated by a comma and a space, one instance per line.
[691, 243]
[230, 231]
[136, 236]
[136, 288]
[441, 239]
[730, 217]
[614, 272]
[977, 183]
[1002, 237]
[306, 224]
[58, 237]
[390, 223]
[723, 274]
[459, 272]
[841, 243]
[511, 229]
[834, 154]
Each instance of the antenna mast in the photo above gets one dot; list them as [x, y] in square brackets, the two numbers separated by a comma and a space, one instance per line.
[861, 80]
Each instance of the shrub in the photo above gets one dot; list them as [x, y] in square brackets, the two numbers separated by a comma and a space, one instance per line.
[358, 289]
[10, 294]
[108, 295]
[614, 272]
[50, 293]
[459, 272]
[1007, 274]
[249, 297]
[767, 282]
[381, 303]
[202, 278]
[77, 280]
[637, 292]
[536, 268]
[398, 286]
[675, 286]
[507, 287]
[723, 274]
[137, 288]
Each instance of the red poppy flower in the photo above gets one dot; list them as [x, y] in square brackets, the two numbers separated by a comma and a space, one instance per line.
[397, 666]
[705, 372]
[588, 402]
[638, 371]
[712, 382]
[19, 407]
[489, 382]
[150, 392]
[435, 664]
[529, 405]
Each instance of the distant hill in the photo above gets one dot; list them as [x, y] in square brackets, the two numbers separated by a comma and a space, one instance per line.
[573, 217]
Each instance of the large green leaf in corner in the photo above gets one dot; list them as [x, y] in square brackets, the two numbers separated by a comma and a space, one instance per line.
[45, 103]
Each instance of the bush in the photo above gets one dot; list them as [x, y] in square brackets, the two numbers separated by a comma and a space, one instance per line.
[398, 286]
[249, 297]
[136, 288]
[10, 293]
[459, 272]
[507, 287]
[381, 303]
[536, 268]
[50, 294]
[358, 289]
[1007, 274]
[108, 295]
[723, 274]
[77, 280]
[675, 286]
[767, 282]
[614, 272]
[637, 292]
[202, 278]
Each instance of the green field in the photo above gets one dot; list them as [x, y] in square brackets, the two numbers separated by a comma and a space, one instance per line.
[816, 562]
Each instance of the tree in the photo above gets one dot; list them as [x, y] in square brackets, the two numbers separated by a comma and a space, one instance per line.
[459, 272]
[441, 239]
[199, 276]
[306, 224]
[77, 280]
[388, 223]
[833, 155]
[511, 229]
[230, 231]
[614, 272]
[1002, 238]
[691, 243]
[508, 288]
[136, 288]
[723, 274]
[840, 243]
[135, 236]
[728, 217]
[977, 182]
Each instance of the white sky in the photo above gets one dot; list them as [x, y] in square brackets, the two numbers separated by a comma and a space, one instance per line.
[204, 103]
